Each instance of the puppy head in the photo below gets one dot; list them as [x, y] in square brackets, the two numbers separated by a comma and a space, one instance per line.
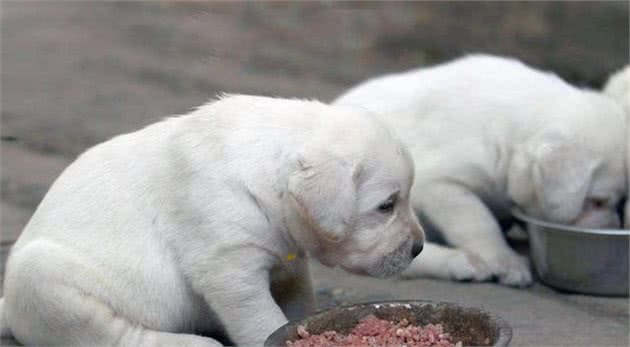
[573, 173]
[349, 195]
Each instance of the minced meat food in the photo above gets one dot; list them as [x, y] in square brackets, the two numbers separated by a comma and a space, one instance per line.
[372, 331]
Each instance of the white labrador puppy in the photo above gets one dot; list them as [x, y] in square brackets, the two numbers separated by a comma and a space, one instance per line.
[486, 132]
[173, 230]
[618, 87]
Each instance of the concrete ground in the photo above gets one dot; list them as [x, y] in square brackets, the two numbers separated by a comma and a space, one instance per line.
[76, 73]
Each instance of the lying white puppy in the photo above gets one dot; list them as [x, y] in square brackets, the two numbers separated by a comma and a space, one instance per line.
[486, 132]
[172, 230]
[618, 87]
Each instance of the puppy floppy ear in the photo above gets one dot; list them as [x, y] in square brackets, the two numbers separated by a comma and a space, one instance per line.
[562, 175]
[323, 192]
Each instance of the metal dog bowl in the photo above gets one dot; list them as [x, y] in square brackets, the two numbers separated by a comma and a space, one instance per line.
[472, 326]
[591, 261]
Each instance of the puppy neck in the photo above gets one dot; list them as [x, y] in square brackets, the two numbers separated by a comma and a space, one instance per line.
[300, 235]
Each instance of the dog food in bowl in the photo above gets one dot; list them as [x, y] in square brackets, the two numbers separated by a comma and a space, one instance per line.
[372, 331]
[472, 326]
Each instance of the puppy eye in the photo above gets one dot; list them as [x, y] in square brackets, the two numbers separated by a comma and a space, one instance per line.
[598, 202]
[388, 205]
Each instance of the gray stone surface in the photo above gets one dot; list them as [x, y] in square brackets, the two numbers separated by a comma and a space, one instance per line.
[76, 73]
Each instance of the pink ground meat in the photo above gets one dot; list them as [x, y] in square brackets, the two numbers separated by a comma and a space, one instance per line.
[372, 331]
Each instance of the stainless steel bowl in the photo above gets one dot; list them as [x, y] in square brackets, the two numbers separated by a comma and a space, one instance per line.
[472, 326]
[591, 261]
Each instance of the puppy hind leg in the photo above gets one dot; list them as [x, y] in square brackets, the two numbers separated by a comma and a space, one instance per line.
[442, 262]
[152, 338]
[99, 325]
[45, 304]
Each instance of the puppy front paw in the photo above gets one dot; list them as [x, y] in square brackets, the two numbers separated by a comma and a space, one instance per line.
[510, 269]
[464, 266]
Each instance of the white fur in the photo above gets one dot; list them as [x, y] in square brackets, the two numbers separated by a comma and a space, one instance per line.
[173, 230]
[487, 131]
[618, 87]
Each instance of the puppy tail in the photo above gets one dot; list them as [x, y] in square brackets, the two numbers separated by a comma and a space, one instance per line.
[5, 331]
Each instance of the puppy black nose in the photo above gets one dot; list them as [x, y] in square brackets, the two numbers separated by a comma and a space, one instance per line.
[416, 248]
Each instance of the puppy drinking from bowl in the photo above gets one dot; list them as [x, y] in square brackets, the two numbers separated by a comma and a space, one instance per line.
[173, 230]
[487, 132]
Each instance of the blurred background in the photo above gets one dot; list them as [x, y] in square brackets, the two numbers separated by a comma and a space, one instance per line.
[76, 73]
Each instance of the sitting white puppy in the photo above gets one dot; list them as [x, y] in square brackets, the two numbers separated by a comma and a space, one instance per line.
[488, 132]
[173, 230]
[618, 87]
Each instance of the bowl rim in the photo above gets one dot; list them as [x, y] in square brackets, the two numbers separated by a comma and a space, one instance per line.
[520, 215]
[504, 329]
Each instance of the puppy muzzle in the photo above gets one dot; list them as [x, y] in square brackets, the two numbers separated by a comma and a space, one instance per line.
[395, 262]
[416, 248]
